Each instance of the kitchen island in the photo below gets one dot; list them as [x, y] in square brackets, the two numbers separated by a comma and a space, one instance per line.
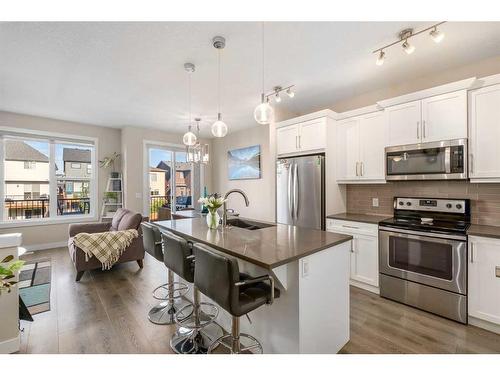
[311, 268]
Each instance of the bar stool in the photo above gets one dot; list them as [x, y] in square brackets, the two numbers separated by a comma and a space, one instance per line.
[218, 277]
[193, 335]
[171, 292]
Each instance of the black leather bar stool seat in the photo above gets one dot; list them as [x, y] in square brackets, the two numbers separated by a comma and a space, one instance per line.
[171, 292]
[194, 318]
[218, 277]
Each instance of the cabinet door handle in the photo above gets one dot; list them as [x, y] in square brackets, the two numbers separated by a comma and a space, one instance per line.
[296, 141]
[349, 226]
[418, 129]
[472, 252]
[352, 245]
[357, 173]
[471, 163]
[362, 168]
[423, 130]
[497, 271]
[300, 142]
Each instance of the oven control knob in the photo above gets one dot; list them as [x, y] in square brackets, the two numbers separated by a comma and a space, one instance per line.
[401, 203]
[458, 206]
[408, 203]
[448, 205]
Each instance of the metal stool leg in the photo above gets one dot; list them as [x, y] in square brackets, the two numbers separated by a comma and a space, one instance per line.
[164, 312]
[201, 324]
[232, 343]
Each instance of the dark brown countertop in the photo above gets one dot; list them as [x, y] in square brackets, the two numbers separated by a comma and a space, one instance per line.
[484, 231]
[267, 247]
[363, 218]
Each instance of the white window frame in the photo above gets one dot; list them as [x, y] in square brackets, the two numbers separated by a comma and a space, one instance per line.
[52, 139]
[169, 147]
[76, 165]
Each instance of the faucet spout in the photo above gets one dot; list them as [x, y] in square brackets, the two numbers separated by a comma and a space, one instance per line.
[224, 206]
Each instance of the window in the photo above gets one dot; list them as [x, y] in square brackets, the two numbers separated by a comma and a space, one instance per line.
[29, 165]
[41, 181]
[154, 177]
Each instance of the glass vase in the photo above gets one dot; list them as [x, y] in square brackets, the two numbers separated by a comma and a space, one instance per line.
[213, 219]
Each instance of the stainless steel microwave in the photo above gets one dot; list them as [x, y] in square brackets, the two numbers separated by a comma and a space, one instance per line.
[444, 160]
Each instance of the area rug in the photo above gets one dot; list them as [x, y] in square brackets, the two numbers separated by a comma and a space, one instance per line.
[34, 285]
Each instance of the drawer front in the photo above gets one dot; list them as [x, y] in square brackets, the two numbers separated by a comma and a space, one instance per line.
[351, 227]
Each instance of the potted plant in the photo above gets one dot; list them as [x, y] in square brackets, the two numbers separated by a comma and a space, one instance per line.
[109, 161]
[212, 203]
[111, 196]
[8, 271]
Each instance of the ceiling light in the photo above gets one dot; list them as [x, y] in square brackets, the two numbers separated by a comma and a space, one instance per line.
[436, 35]
[189, 138]
[219, 128]
[409, 49]
[380, 58]
[263, 113]
[290, 93]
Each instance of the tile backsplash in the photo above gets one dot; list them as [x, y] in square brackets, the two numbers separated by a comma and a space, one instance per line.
[485, 198]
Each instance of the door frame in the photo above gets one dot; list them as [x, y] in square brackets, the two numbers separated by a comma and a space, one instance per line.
[169, 147]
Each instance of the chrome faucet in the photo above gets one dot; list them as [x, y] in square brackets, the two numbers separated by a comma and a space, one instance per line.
[224, 205]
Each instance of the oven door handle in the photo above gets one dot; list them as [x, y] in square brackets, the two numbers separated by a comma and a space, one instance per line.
[445, 238]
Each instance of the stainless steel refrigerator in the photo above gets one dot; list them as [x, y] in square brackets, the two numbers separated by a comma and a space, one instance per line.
[300, 191]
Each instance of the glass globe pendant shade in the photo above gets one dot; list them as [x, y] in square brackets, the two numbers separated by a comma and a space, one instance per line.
[219, 127]
[263, 113]
[189, 139]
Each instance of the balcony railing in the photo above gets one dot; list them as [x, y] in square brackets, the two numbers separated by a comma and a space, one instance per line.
[157, 201]
[22, 209]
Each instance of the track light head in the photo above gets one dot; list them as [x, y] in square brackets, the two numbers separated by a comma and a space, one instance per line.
[409, 48]
[436, 35]
[290, 93]
[380, 58]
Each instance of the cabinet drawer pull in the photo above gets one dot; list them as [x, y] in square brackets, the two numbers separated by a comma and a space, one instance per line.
[350, 226]
[472, 252]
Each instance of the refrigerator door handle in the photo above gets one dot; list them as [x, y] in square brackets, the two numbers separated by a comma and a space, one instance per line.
[296, 190]
[290, 197]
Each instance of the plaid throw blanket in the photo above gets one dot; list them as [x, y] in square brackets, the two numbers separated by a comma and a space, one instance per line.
[107, 247]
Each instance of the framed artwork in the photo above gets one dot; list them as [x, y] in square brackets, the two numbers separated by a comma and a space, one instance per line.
[244, 163]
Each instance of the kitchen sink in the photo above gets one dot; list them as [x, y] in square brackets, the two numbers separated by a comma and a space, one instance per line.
[248, 224]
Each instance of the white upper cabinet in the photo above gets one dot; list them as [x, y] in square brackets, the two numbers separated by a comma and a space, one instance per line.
[484, 112]
[372, 139]
[484, 279]
[437, 118]
[305, 136]
[287, 139]
[444, 117]
[403, 123]
[360, 148]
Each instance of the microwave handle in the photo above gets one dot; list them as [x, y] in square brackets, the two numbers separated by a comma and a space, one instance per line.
[447, 159]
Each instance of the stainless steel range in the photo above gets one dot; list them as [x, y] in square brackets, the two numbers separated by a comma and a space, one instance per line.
[423, 255]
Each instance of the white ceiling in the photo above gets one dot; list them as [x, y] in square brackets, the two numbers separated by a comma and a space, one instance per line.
[118, 74]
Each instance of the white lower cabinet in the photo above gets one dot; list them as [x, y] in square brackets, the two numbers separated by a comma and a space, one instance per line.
[364, 251]
[484, 279]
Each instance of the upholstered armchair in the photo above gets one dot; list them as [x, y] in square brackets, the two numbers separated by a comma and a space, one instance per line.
[122, 220]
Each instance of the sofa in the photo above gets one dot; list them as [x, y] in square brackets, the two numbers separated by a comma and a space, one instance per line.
[123, 219]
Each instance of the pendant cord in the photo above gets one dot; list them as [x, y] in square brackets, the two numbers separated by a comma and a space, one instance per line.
[263, 58]
[218, 89]
[189, 100]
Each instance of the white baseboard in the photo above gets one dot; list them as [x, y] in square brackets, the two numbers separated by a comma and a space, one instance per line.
[11, 345]
[493, 327]
[46, 246]
[364, 286]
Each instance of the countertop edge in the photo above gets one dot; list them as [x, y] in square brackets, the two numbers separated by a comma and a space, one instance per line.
[362, 218]
[488, 231]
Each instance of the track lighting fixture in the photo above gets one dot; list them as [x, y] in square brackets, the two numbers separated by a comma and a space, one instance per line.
[290, 93]
[380, 58]
[277, 96]
[409, 49]
[436, 35]
[404, 37]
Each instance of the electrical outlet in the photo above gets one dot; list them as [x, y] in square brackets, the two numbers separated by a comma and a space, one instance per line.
[375, 202]
[305, 268]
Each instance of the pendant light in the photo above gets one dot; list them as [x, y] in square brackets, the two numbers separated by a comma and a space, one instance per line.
[219, 127]
[263, 113]
[198, 153]
[189, 138]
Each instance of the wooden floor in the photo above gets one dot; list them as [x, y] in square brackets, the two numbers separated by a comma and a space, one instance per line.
[106, 312]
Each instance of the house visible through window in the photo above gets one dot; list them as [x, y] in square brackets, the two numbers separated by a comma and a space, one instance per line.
[31, 192]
